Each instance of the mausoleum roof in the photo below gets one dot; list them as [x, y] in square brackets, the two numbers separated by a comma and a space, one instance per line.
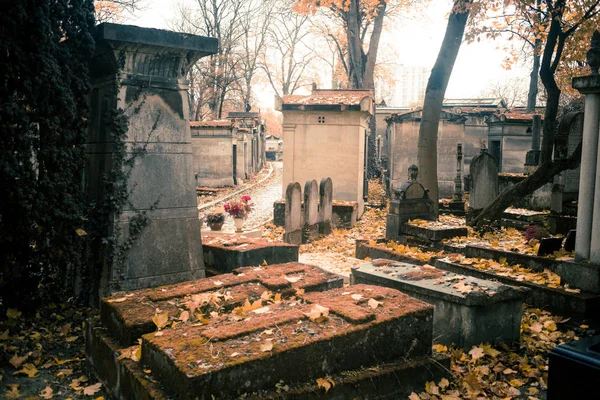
[334, 99]
[211, 124]
[493, 102]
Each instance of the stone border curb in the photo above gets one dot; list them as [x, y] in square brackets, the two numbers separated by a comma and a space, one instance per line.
[219, 200]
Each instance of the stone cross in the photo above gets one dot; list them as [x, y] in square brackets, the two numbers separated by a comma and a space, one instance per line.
[484, 172]
[293, 214]
[311, 210]
[143, 71]
[325, 205]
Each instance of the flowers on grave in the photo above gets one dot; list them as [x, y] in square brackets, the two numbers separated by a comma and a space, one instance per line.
[215, 218]
[239, 208]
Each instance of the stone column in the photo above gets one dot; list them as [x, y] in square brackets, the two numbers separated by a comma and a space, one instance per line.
[588, 212]
[142, 71]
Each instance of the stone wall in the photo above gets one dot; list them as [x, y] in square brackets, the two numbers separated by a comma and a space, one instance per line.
[213, 157]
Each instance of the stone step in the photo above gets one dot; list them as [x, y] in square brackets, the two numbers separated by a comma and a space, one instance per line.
[468, 311]
[223, 255]
[128, 379]
[128, 316]
[557, 300]
[365, 326]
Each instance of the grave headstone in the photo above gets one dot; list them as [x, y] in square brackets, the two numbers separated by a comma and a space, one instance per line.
[410, 201]
[458, 204]
[143, 71]
[311, 210]
[293, 214]
[484, 172]
[325, 205]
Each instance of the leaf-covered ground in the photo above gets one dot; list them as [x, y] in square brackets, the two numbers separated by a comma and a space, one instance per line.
[42, 355]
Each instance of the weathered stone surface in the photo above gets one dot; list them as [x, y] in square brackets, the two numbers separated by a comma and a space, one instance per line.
[584, 276]
[344, 213]
[143, 71]
[129, 316]
[484, 172]
[364, 250]
[311, 211]
[201, 361]
[556, 300]
[325, 205]
[468, 310]
[279, 213]
[223, 255]
[433, 234]
[293, 214]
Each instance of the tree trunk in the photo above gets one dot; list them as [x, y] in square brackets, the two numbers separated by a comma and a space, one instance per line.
[434, 96]
[539, 178]
[533, 80]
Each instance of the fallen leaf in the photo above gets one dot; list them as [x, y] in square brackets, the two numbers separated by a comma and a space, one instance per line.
[318, 313]
[184, 316]
[444, 383]
[261, 310]
[414, 396]
[266, 346]
[47, 393]
[292, 279]
[325, 383]
[218, 283]
[4, 336]
[160, 320]
[16, 361]
[28, 369]
[80, 232]
[92, 389]
[118, 300]
[440, 348]
[476, 353]
[373, 303]
[14, 391]
[357, 296]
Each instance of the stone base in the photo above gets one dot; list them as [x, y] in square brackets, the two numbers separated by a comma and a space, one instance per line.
[325, 228]
[126, 379]
[253, 233]
[294, 237]
[490, 312]
[232, 348]
[432, 234]
[310, 232]
[344, 214]
[541, 296]
[224, 254]
[561, 224]
[279, 213]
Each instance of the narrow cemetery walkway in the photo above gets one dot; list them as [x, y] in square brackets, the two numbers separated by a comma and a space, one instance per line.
[263, 195]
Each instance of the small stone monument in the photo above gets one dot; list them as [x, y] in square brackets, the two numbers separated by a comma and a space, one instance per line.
[311, 210]
[484, 178]
[325, 205]
[458, 205]
[293, 214]
[409, 202]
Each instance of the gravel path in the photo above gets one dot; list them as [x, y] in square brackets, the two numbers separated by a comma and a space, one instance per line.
[263, 195]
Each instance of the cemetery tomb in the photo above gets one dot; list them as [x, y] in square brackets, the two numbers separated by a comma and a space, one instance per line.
[311, 211]
[468, 311]
[327, 131]
[254, 327]
[484, 182]
[143, 71]
[544, 291]
[511, 137]
[223, 254]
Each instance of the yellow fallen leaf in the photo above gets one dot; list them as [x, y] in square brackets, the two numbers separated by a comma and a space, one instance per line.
[28, 369]
[476, 353]
[318, 313]
[16, 361]
[487, 349]
[14, 391]
[4, 336]
[160, 320]
[440, 348]
[584, 326]
[80, 232]
[431, 388]
[414, 396]
[516, 383]
[444, 383]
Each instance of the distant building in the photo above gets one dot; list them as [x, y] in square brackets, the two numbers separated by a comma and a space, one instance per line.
[409, 89]
[273, 148]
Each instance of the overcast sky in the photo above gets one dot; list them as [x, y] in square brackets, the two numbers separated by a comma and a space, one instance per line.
[416, 41]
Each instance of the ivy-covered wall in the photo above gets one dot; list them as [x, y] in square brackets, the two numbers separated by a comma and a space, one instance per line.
[44, 50]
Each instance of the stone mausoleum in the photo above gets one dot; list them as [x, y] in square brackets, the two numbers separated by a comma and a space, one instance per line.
[325, 135]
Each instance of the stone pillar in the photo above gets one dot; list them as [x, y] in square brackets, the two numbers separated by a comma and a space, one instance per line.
[142, 71]
[532, 158]
[587, 245]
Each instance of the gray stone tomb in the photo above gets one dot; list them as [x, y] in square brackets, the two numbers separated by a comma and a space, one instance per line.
[325, 205]
[484, 178]
[293, 214]
[143, 72]
[409, 202]
[311, 210]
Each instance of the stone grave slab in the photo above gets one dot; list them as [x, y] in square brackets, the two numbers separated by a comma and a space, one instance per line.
[224, 254]
[520, 218]
[344, 213]
[584, 276]
[468, 310]
[129, 316]
[365, 248]
[557, 300]
[258, 350]
[434, 233]
[228, 233]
